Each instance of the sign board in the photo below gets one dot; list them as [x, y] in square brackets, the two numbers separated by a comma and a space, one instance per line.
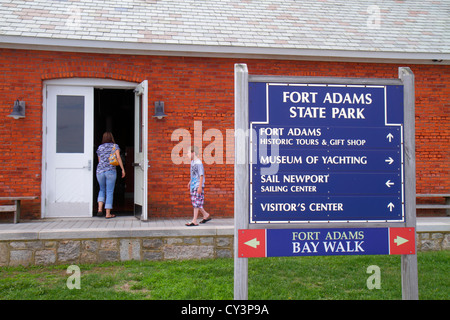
[326, 152]
[254, 243]
[326, 167]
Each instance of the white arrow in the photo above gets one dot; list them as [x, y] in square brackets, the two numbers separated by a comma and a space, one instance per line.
[389, 183]
[390, 137]
[390, 160]
[252, 243]
[399, 241]
[390, 206]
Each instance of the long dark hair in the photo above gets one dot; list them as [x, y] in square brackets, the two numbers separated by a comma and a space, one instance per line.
[108, 138]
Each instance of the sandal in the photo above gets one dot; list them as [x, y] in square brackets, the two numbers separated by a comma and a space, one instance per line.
[191, 224]
[206, 220]
[111, 216]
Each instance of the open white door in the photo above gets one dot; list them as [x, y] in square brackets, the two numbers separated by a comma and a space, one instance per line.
[69, 144]
[140, 163]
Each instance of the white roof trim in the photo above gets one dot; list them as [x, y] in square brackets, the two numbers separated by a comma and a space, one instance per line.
[110, 47]
[93, 82]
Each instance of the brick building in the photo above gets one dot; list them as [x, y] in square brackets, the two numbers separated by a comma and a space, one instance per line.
[121, 57]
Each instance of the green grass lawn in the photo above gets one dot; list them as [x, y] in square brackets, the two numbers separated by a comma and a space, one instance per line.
[306, 278]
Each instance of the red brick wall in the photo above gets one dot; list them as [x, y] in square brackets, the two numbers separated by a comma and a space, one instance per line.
[193, 89]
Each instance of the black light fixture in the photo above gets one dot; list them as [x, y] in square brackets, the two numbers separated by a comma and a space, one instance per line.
[159, 110]
[18, 110]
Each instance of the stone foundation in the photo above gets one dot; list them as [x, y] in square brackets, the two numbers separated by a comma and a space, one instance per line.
[433, 241]
[78, 251]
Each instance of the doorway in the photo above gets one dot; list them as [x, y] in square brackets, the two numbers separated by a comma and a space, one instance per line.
[76, 114]
[114, 112]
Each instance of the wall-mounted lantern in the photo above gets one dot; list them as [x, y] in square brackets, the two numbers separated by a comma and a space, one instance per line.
[159, 110]
[18, 110]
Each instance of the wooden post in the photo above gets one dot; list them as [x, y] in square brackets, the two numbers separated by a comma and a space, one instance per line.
[17, 213]
[410, 287]
[241, 178]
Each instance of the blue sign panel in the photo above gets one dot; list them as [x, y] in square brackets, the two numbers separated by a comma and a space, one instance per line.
[325, 242]
[302, 159]
[327, 208]
[326, 152]
[324, 183]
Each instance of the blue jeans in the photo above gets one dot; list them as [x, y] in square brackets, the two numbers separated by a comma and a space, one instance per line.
[107, 181]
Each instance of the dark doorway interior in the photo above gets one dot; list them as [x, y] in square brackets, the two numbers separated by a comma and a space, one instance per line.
[114, 111]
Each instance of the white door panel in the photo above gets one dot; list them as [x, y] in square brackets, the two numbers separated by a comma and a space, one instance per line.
[69, 151]
[140, 163]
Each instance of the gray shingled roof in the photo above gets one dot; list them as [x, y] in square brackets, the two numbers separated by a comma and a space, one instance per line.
[235, 26]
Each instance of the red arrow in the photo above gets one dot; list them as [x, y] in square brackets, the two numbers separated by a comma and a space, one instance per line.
[252, 243]
[402, 241]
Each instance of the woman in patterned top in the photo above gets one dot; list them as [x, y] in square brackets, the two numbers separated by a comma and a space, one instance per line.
[107, 174]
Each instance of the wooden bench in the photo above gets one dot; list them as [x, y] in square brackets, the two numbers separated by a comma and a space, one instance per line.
[434, 205]
[15, 207]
